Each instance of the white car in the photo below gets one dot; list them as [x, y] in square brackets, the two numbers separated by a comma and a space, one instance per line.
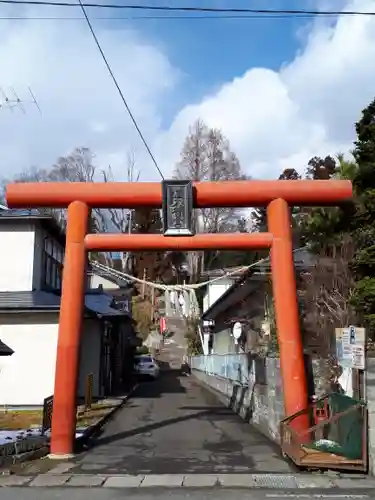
[145, 365]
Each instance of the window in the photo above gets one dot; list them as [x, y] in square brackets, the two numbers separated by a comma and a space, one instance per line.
[52, 264]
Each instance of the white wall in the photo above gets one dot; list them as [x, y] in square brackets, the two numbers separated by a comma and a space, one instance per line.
[21, 256]
[27, 377]
[16, 257]
[96, 280]
[215, 290]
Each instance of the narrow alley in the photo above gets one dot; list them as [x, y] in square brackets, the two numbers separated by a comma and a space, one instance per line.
[175, 426]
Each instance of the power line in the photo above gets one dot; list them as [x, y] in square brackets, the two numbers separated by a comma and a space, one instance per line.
[162, 18]
[119, 89]
[312, 12]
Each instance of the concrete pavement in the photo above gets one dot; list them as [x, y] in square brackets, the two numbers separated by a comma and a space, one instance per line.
[174, 438]
[175, 426]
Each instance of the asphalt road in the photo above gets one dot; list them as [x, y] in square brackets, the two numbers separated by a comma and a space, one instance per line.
[173, 494]
[175, 426]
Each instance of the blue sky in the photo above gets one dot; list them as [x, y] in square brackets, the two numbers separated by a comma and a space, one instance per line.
[213, 51]
[281, 90]
[210, 52]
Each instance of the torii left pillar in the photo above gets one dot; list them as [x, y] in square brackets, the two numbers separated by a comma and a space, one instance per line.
[71, 313]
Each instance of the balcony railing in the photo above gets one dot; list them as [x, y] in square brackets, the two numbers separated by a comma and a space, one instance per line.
[234, 367]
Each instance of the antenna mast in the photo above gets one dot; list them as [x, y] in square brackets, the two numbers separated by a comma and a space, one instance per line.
[11, 100]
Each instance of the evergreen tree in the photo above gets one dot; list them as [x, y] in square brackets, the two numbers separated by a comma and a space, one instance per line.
[259, 215]
[326, 228]
[322, 228]
[321, 168]
[364, 152]
[363, 227]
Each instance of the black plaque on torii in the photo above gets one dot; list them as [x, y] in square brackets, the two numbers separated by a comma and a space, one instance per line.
[177, 208]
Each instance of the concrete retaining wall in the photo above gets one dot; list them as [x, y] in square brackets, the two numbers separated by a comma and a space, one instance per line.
[261, 403]
[370, 395]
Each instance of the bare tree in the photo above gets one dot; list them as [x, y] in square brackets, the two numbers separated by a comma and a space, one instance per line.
[326, 291]
[122, 219]
[206, 156]
[79, 166]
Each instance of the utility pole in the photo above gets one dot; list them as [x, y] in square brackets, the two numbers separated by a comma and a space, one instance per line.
[11, 100]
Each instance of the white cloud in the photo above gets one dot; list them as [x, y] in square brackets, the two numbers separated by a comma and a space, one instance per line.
[273, 119]
[80, 106]
[279, 119]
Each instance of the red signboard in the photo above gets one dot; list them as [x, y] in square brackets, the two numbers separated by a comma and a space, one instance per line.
[163, 325]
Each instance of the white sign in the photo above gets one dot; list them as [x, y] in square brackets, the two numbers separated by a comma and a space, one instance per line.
[237, 331]
[358, 357]
[350, 347]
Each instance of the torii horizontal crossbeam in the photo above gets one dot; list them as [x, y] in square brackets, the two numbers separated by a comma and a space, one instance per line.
[158, 242]
[206, 194]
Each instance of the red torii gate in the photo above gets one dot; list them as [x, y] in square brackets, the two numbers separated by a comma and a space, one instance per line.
[79, 198]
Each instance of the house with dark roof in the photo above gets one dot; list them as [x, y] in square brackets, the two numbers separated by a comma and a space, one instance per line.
[243, 296]
[31, 267]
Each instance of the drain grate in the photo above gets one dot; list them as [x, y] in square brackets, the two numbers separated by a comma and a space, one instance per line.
[274, 481]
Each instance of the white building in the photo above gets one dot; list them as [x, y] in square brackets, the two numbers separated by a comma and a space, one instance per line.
[31, 266]
[247, 300]
[220, 281]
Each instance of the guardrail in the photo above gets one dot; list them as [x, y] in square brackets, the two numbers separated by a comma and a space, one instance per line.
[234, 367]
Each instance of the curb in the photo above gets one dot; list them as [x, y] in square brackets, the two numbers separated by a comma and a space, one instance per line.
[82, 440]
[290, 485]
[22, 457]
[95, 428]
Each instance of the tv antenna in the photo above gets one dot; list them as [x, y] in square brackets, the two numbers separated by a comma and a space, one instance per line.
[12, 101]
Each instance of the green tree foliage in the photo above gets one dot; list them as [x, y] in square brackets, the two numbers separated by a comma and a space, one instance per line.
[363, 226]
[322, 228]
[321, 168]
[259, 215]
[364, 152]
[325, 229]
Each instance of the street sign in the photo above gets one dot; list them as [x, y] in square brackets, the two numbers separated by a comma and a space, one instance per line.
[350, 347]
[177, 208]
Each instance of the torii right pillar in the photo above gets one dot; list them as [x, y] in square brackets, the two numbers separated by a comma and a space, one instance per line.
[287, 313]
